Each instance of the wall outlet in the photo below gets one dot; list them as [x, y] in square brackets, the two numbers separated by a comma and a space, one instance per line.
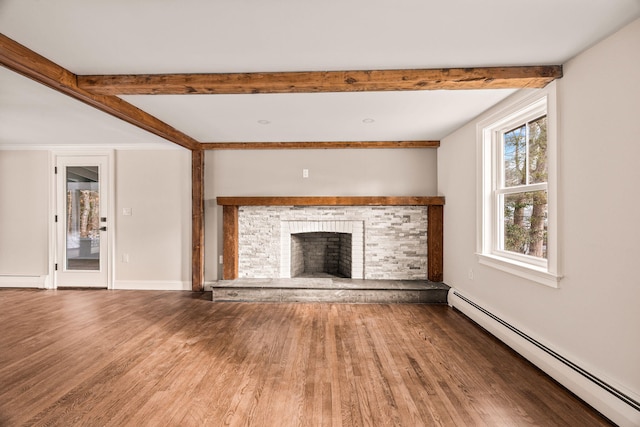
[470, 274]
[125, 258]
[220, 259]
[305, 173]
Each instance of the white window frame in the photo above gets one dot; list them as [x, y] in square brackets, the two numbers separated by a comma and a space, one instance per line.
[524, 106]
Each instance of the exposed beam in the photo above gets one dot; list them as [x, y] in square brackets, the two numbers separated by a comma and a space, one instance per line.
[197, 220]
[323, 81]
[316, 145]
[22, 60]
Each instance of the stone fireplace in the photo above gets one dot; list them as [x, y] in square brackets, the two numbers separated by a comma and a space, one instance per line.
[387, 242]
[391, 238]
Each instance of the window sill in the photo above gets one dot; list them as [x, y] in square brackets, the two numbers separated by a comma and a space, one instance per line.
[520, 269]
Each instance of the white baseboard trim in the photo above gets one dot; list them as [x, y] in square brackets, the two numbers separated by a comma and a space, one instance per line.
[8, 281]
[614, 401]
[152, 285]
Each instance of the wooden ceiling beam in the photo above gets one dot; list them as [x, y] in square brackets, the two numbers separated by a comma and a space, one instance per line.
[323, 81]
[22, 60]
[316, 145]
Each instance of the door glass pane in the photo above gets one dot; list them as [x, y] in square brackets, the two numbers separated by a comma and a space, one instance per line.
[83, 218]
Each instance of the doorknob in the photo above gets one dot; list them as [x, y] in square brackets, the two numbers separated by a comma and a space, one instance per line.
[103, 228]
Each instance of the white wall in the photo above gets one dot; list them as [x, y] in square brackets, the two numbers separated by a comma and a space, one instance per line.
[342, 172]
[156, 185]
[24, 212]
[593, 319]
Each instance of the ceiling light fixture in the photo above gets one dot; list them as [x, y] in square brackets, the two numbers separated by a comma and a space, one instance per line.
[264, 122]
[367, 121]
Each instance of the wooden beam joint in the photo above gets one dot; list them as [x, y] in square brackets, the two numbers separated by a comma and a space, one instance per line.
[24, 61]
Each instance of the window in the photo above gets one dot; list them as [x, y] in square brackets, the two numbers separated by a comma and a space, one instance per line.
[517, 210]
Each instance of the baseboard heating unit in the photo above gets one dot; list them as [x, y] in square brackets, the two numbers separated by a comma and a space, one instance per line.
[621, 396]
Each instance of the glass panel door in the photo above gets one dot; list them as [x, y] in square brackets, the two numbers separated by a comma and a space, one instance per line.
[82, 229]
[82, 218]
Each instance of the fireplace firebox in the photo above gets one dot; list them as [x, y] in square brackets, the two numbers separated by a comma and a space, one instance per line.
[321, 254]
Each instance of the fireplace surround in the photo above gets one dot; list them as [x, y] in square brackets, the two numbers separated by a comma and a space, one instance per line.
[236, 207]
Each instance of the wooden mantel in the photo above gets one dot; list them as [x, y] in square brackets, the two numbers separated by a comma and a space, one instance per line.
[434, 227]
[332, 201]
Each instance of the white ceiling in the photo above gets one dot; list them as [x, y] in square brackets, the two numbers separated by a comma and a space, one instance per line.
[186, 36]
[32, 115]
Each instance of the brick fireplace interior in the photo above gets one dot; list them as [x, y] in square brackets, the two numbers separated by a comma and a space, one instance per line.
[318, 254]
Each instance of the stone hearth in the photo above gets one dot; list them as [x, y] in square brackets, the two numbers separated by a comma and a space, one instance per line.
[332, 290]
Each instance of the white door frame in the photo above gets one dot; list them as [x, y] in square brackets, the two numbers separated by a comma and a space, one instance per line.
[109, 235]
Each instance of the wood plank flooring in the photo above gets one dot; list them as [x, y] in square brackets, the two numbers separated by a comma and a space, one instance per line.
[146, 358]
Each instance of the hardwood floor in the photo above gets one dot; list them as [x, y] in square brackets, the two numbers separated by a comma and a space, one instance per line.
[97, 357]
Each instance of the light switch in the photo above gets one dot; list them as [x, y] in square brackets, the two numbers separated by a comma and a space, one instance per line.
[127, 211]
